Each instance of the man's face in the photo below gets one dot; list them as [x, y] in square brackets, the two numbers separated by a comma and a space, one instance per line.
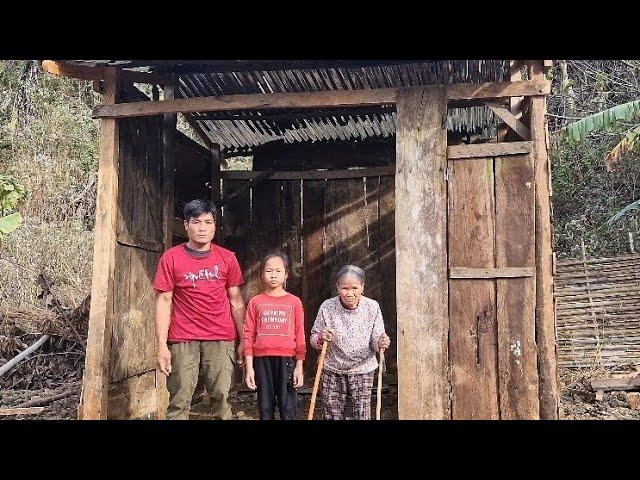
[201, 229]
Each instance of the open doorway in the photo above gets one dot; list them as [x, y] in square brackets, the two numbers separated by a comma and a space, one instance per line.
[325, 206]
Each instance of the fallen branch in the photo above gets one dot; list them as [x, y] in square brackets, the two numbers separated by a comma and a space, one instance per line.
[20, 411]
[24, 354]
[38, 402]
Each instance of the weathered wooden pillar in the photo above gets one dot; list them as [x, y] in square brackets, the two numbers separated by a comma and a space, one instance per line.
[545, 318]
[421, 254]
[169, 122]
[95, 385]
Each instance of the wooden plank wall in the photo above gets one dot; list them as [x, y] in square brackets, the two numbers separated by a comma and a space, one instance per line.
[138, 249]
[321, 225]
[493, 355]
[597, 303]
[473, 337]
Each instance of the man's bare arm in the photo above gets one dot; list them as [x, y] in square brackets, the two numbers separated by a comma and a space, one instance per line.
[237, 312]
[163, 320]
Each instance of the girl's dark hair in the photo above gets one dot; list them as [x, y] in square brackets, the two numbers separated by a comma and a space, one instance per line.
[268, 256]
[195, 208]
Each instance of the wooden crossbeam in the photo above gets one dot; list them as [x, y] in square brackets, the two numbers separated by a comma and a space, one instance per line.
[510, 119]
[484, 150]
[524, 88]
[505, 272]
[98, 73]
[311, 174]
[333, 98]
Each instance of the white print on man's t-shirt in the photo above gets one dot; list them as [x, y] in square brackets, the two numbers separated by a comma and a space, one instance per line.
[203, 274]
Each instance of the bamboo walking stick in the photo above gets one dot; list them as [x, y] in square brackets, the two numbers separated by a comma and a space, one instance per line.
[316, 382]
[380, 367]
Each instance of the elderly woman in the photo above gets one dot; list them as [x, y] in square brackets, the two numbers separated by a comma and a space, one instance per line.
[353, 325]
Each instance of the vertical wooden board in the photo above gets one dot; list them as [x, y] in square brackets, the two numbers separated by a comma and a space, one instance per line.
[292, 233]
[234, 234]
[387, 265]
[141, 311]
[265, 233]
[355, 221]
[515, 247]
[125, 186]
[545, 318]
[121, 302]
[96, 371]
[133, 397]
[473, 330]
[140, 200]
[313, 275]
[372, 238]
[168, 128]
[153, 180]
[133, 337]
[336, 253]
[421, 254]
[148, 307]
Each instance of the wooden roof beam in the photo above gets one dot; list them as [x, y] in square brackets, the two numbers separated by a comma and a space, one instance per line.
[331, 98]
[98, 73]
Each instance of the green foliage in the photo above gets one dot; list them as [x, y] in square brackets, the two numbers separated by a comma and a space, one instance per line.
[9, 223]
[603, 120]
[632, 206]
[586, 197]
[11, 193]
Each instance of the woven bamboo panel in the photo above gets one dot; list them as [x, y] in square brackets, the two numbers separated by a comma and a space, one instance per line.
[598, 311]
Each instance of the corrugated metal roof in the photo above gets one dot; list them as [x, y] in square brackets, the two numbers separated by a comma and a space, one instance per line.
[242, 131]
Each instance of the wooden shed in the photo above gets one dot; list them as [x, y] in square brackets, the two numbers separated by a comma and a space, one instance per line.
[431, 175]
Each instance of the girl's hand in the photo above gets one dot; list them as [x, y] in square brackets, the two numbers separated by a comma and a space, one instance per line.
[298, 377]
[327, 334]
[250, 378]
[384, 341]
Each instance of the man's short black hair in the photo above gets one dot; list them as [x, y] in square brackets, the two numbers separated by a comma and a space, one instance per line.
[195, 208]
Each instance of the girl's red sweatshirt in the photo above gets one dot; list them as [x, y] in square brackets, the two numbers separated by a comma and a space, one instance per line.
[274, 326]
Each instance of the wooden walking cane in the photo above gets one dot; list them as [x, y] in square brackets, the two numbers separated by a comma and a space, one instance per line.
[380, 368]
[316, 382]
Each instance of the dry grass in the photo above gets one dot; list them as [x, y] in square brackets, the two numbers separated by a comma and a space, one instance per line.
[48, 143]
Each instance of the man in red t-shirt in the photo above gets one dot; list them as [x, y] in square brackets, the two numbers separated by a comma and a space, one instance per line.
[199, 314]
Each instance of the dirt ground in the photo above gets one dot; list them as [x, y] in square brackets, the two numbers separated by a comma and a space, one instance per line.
[245, 406]
[577, 401]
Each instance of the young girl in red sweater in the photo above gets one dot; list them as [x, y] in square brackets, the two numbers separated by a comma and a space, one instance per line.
[274, 341]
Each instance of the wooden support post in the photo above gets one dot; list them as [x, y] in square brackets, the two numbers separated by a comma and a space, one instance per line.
[421, 254]
[96, 371]
[516, 103]
[169, 121]
[545, 319]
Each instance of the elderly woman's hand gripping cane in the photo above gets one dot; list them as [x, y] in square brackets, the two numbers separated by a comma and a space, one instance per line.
[383, 344]
[327, 336]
